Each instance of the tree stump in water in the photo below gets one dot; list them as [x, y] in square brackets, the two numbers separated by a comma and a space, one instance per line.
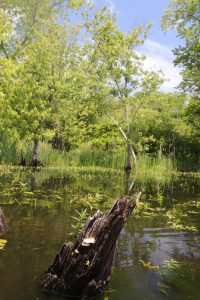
[82, 269]
[3, 225]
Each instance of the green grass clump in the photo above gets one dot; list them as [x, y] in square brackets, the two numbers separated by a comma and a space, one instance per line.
[149, 167]
[160, 169]
[11, 152]
[86, 156]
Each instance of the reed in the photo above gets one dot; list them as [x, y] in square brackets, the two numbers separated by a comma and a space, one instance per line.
[149, 167]
[88, 157]
[160, 169]
[10, 153]
[81, 157]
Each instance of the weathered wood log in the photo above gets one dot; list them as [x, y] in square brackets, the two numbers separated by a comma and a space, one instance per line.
[3, 224]
[82, 269]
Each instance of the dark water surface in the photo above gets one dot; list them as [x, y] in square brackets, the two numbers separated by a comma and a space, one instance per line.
[158, 252]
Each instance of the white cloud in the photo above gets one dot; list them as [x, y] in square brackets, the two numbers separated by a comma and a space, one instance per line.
[160, 57]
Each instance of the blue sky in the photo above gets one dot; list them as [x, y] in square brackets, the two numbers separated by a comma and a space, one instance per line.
[158, 46]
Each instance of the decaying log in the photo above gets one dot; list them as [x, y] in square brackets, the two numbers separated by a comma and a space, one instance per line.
[82, 269]
[3, 224]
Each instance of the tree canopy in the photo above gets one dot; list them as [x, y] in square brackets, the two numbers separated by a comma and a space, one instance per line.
[184, 16]
[70, 76]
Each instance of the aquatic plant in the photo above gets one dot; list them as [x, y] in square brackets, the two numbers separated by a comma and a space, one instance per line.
[92, 200]
[80, 217]
[2, 244]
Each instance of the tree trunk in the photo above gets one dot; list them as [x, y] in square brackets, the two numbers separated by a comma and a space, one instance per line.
[160, 151]
[82, 269]
[35, 162]
[129, 146]
[35, 150]
[3, 225]
[128, 158]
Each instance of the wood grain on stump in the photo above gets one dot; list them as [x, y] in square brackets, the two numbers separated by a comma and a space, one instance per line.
[82, 269]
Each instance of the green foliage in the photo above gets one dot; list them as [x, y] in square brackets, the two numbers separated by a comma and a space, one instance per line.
[75, 3]
[184, 15]
[158, 124]
[92, 200]
[80, 82]
[80, 219]
[150, 167]
[11, 151]
[90, 156]
[175, 218]
[192, 113]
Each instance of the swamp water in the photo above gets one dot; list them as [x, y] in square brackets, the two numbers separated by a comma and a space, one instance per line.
[158, 252]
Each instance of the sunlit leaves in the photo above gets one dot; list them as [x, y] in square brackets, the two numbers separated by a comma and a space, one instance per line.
[184, 15]
[75, 3]
[2, 244]
[80, 219]
[148, 265]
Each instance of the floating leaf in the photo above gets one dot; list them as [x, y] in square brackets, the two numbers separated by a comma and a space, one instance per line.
[2, 244]
[148, 265]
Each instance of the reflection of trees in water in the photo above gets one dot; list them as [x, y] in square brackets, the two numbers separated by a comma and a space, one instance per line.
[163, 249]
[134, 246]
[186, 248]
[143, 238]
[156, 245]
[58, 182]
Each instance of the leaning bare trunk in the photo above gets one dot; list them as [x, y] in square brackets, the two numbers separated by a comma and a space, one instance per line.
[130, 153]
[129, 146]
[134, 158]
[128, 159]
[82, 269]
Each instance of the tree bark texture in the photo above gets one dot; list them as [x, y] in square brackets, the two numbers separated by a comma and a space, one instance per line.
[35, 162]
[3, 225]
[83, 270]
[128, 159]
[35, 149]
